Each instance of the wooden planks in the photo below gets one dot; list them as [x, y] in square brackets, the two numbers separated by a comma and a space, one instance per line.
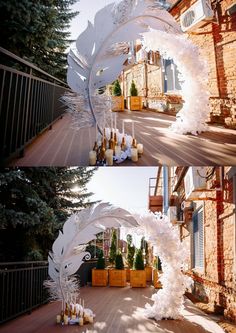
[117, 310]
[64, 145]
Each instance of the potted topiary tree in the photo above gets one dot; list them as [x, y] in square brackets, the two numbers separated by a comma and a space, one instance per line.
[157, 269]
[117, 98]
[112, 252]
[134, 101]
[148, 268]
[130, 256]
[138, 274]
[100, 274]
[117, 276]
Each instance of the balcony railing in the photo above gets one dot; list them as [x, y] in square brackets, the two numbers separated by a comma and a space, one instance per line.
[29, 103]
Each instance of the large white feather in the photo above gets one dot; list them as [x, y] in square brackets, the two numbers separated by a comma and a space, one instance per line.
[123, 21]
[68, 250]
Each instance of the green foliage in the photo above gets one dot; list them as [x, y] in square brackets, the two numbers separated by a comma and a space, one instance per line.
[112, 252]
[38, 31]
[138, 260]
[144, 247]
[133, 89]
[119, 261]
[116, 91]
[34, 204]
[34, 255]
[101, 261]
[94, 251]
[130, 251]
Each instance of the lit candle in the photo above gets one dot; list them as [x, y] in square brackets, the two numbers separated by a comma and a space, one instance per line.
[134, 154]
[58, 319]
[132, 129]
[109, 156]
[117, 151]
[140, 148]
[92, 157]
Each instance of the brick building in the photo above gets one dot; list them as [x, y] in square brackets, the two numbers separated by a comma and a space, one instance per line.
[157, 81]
[202, 203]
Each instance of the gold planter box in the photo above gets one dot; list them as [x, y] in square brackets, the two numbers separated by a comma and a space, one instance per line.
[137, 278]
[99, 277]
[127, 274]
[117, 277]
[135, 103]
[148, 271]
[118, 103]
[157, 284]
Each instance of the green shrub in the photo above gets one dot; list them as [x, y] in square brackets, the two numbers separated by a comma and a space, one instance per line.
[101, 261]
[116, 91]
[133, 90]
[130, 251]
[138, 260]
[112, 252]
[119, 261]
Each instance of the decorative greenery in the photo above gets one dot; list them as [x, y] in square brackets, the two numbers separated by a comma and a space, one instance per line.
[138, 260]
[144, 247]
[133, 90]
[119, 261]
[38, 31]
[112, 252]
[130, 251]
[116, 91]
[94, 251]
[34, 204]
[101, 261]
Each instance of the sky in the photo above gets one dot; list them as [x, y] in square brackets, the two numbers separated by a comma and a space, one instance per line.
[87, 12]
[126, 187]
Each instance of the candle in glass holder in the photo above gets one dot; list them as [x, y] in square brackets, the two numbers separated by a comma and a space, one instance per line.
[66, 319]
[134, 154]
[90, 319]
[109, 156]
[92, 157]
[140, 148]
[117, 151]
[81, 321]
[58, 319]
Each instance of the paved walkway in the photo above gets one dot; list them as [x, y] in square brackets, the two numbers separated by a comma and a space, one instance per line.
[118, 310]
[63, 145]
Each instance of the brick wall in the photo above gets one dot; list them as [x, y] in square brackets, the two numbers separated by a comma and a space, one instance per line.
[217, 43]
[216, 283]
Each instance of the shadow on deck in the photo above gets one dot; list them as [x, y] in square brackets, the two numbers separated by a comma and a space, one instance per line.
[66, 146]
[117, 310]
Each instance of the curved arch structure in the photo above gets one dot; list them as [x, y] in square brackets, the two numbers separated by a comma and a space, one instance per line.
[100, 51]
[68, 253]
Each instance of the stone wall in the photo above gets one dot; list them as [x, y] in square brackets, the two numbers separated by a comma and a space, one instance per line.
[217, 43]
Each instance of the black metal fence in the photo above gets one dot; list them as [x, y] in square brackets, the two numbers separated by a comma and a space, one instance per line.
[21, 287]
[29, 103]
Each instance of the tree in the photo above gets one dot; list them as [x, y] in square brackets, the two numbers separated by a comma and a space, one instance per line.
[138, 260]
[38, 31]
[144, 247]
[101, 261]
[119, 261]
[130, 251]
[112, 252]
[116, 91]
[133, 89]
[34, 203]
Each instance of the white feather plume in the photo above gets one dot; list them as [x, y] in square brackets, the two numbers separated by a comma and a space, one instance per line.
[68, 250]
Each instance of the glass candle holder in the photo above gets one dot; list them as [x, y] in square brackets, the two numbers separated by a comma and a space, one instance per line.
[109, 157]
[140, 148]
[117, 151]
[92, 157]
[134, 154]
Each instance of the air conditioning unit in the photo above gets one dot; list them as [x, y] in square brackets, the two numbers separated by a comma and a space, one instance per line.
[197, 15]
[195, 182]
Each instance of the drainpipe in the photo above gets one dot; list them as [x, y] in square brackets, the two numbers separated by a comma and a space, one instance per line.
[234, 220]
[165, 189]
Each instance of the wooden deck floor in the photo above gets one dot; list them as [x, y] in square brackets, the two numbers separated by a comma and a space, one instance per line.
[118, 310]
[65, 146]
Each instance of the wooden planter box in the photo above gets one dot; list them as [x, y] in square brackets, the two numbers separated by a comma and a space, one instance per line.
[137, 278]
[127, 274]
[118, 103]
[99, 277]
[135, 103]
[155, 281]
[148, 271]
[117, 277]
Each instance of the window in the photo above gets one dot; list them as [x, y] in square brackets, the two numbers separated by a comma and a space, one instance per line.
[171, 80]
[198, 239]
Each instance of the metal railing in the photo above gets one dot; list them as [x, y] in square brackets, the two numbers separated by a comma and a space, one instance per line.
[29, 103]
[21, 287]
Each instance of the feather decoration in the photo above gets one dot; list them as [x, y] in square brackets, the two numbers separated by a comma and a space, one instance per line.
[91, 62]
[68, 250]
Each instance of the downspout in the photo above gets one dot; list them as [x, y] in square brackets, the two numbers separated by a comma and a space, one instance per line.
[165, 189]
[234, 221]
